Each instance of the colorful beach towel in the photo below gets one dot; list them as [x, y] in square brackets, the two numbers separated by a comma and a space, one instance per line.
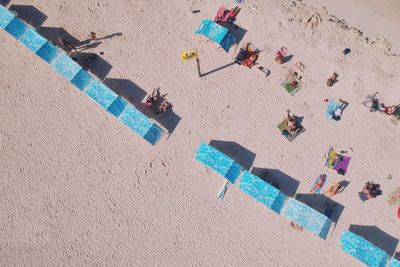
[283, 127]
[337, 162]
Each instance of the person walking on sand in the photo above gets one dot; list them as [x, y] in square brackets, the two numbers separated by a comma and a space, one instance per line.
[68, 45]
[93, 36]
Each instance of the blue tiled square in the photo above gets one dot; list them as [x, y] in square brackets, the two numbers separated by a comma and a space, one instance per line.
[32, 40]
[82, 79]
[154, 134]
[48, 52]
[117, 106]
[65, 66]
[136, 120]
[5, 17]
[16, 27]
[101, 94]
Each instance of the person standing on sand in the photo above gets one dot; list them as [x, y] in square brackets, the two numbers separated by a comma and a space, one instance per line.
[93, 36]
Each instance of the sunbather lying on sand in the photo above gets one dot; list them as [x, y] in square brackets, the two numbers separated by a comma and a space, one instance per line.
[391, 110]
[334, 189]
[280, 55]
[332, 79]
[162, 108]
[372, 103]
[372, 190]
[394, 197]
[292, 124]
[297, 227]
[151, 99]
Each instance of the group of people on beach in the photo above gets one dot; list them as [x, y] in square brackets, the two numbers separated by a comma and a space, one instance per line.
[157, 102]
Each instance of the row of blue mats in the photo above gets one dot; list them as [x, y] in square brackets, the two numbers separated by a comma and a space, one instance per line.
[84, 81]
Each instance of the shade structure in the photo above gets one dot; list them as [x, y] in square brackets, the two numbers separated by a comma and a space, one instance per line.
[307, 217]
[79, 77]
[218, 161]
[5, 17]
[216, 33]
[32, 40]
[363, 250]
[262, 191]
[394, 263]
[140, 124]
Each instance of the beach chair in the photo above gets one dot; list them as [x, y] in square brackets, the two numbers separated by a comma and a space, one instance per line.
[283, 127]
[363, 250]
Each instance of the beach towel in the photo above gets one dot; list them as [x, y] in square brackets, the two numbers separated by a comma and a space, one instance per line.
[188, 55]
[318, 184]
[283, 127]
[363, 196]
[331, 108]
[289, 88]
[337, 162]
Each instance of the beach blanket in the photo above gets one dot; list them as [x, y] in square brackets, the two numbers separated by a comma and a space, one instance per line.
[283, 127]
[331, 108]
[337, 162]
[289, 88]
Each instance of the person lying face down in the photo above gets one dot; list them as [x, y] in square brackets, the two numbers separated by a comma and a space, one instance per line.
[372, 190]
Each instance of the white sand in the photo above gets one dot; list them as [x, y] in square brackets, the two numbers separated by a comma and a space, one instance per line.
[79, 188]
[373, 17]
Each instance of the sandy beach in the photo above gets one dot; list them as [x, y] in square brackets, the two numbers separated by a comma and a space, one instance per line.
[78, 188]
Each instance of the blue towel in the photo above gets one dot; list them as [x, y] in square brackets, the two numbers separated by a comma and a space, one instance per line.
[330, 109]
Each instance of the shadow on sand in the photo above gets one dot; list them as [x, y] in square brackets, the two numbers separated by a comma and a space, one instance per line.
[241, 155]
[287, 184]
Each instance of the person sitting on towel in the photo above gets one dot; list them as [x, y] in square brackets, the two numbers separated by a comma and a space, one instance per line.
[162, 108]
[292, 124]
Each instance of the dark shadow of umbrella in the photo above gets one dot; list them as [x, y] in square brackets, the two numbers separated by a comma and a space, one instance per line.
[93, 63]
[4, 2]
[29, 14]
[285, 183]
[136, 96]
[238, 153]
[53, 34]
[377, 237]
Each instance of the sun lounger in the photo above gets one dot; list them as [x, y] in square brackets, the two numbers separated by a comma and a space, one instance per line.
[363, 250]
[283, 127]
